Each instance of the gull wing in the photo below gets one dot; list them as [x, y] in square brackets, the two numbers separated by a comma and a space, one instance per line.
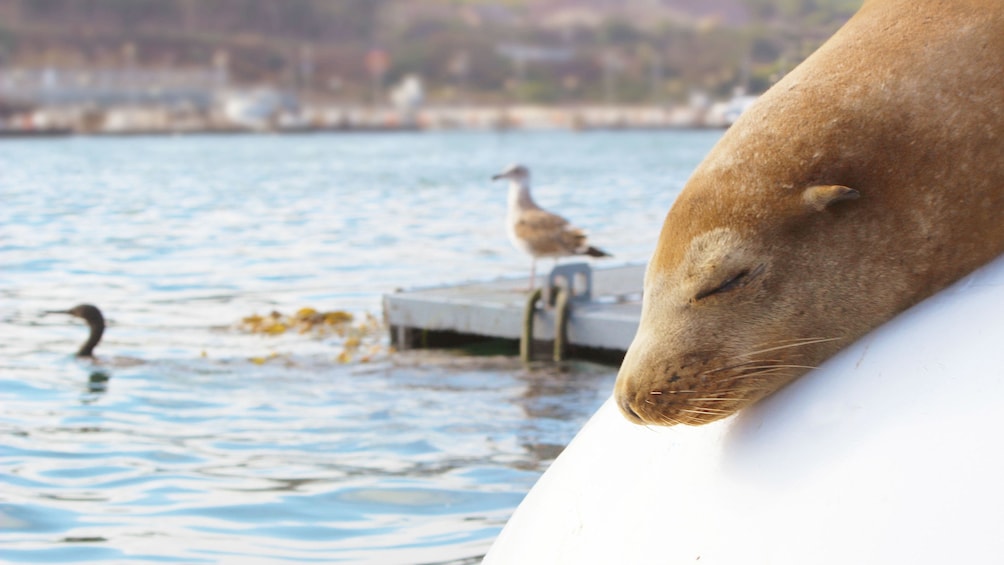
[548, 234]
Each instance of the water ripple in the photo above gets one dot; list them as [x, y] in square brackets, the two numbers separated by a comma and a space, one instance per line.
[179, 448]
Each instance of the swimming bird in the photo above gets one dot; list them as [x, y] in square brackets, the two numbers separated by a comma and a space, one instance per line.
[90, 314]
[537, 231]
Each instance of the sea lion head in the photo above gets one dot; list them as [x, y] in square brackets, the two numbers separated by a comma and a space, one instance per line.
[728, 316]
[842, 197]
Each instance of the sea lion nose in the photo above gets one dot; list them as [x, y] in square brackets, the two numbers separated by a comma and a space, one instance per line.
[625, 388]
[624, 402]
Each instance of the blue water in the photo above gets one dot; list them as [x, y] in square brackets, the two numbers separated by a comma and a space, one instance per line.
[194, 441]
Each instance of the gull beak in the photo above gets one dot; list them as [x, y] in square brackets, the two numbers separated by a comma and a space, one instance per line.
[498, 176]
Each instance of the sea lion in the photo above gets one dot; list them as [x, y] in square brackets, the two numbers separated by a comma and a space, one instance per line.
[867, 179]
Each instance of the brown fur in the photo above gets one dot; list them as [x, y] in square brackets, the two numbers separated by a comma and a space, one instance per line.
[866, 180]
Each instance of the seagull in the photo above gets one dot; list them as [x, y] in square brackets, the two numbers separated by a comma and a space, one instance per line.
[537, 231]
[90, 314]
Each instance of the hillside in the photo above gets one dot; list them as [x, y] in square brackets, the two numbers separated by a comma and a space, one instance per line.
[532, 50]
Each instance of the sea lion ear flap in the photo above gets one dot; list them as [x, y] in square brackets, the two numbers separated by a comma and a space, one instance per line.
[819, 197]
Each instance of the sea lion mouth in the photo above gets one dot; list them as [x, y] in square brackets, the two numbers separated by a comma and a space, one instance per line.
[688, 407]
[702, 396]
[700, 387]
[624, 404]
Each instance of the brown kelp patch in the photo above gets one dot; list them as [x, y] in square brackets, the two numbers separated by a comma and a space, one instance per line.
[360, 338]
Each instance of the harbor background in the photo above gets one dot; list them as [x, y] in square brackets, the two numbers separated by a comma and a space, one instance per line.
[176, 66]
[198, 440]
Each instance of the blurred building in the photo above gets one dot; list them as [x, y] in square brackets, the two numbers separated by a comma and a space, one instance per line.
[105, 88]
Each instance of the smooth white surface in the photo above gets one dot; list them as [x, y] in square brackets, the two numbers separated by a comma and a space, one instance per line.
[891, 452]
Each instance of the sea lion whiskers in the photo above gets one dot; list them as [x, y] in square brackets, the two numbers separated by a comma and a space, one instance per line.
[663, 420]
[763, 372]
[743, 365]
[726, 399]
[770, 363]
[792, 340]
[705, 411]
[667, 421]
[740, 389]
[781, 366]
[800, 342]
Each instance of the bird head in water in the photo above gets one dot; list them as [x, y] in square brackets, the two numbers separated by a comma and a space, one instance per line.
[90, 314]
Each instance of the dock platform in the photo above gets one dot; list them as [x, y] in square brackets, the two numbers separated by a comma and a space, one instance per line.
[602, 318]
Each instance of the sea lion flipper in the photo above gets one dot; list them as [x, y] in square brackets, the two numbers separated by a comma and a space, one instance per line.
[820, 196]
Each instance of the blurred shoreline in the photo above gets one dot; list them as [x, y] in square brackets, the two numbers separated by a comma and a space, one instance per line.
[109, 67]
[127, 120]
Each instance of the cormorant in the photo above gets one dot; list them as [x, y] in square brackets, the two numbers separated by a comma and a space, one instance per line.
[90, 314]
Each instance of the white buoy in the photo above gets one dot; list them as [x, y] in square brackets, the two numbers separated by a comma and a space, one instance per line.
[891, 452]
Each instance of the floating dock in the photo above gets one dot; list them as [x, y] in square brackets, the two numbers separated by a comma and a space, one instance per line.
[604, 306]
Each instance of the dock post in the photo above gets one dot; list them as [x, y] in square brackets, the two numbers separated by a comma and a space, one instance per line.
[561, 311]
[566, 284]
[401, 337]
[526, 337]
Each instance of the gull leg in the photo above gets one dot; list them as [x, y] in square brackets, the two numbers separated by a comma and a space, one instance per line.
[533, 272]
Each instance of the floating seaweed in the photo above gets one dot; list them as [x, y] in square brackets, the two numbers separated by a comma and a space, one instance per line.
[362, 338]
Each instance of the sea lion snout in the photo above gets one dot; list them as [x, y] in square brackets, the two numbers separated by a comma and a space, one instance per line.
[633, 380]
[686, 390]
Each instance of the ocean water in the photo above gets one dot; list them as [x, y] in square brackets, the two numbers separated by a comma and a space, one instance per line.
[194, 440]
